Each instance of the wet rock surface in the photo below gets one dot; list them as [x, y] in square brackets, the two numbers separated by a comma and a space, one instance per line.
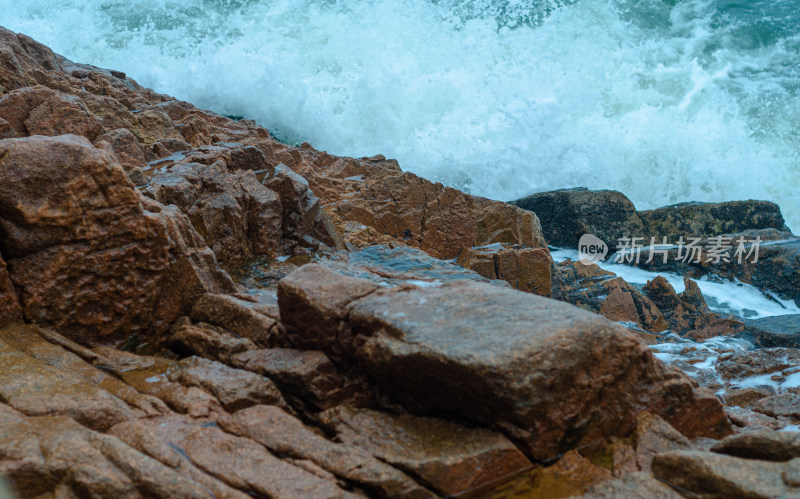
[412, 360]
[487, 378]
[777, 331]
[526, 269]
[705, 220]
[449, 458]
[567, 214]
[774, 271]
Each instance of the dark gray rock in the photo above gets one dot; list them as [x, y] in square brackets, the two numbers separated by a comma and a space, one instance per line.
[712, 219]
[567, 214]
[776, 331]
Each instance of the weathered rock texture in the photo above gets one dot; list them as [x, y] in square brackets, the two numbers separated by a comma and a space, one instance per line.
[567, 214]
[382, 372]
[519, 363]
[85, 254]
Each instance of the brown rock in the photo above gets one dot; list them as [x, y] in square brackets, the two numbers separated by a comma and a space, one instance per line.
[126, 148]
[526, 269]
[234, 388]
[716, 476]
[687, 314]
[287, 436]
[744, 397]
[54, 456]
[590, 287]
[238, 462]
[36, 389]
[77, 362]
[439, 349]
[653, 436]
[411, 210]
[300, 206]
[692, 296]
[6, 131]
[16, 106]
[154, 125]
[768, 445]
[10, 310]
[87, 226]
[152, 376]
[207, 341]
[619, 306]
[63, 114]
[308, 377]
[778, 406]
[313, 299]
[745, 418]
[24, 62]
[246, 319]
[450, 458]
[715, 327]
[237, 216]
[758, 362]
[664, 296]
[167, 147]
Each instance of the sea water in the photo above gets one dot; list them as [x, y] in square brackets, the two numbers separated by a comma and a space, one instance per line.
[664, 100]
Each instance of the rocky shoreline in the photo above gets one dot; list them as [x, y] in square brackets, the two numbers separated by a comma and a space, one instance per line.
[190, 308]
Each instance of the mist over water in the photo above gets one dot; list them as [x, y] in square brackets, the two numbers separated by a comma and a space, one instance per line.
[666, 101]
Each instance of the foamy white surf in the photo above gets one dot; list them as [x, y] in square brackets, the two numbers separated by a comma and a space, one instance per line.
[667, 103]
[723, 297]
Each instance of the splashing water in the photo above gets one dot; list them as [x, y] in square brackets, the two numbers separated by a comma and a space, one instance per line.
[665, 100]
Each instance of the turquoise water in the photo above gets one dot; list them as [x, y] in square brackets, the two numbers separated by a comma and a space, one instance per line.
[666, 101]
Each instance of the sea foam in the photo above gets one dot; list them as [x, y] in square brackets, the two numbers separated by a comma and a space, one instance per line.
[665, 101]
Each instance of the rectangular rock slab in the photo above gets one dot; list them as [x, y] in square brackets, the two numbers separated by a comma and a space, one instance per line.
[549, 375]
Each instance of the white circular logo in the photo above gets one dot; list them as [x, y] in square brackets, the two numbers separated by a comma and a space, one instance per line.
[591, 249]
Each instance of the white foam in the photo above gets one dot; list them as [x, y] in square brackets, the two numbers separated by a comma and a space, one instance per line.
[724, 297]
[426, 284]
[660, 100]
